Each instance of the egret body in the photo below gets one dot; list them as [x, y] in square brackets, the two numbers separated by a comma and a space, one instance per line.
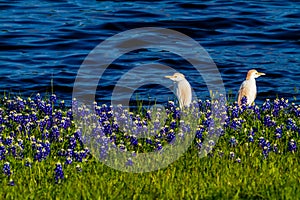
[182, 88]
[248, 87]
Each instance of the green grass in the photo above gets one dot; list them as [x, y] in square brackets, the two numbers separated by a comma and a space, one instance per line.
[216, 176]
[189, 177]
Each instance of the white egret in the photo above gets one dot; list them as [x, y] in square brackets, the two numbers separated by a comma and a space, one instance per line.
[183, 89]
[248, 87]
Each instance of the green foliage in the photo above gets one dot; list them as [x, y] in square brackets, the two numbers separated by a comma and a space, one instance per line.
[249, 174]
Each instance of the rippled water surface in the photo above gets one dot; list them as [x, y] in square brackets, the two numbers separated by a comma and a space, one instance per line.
[45, 40]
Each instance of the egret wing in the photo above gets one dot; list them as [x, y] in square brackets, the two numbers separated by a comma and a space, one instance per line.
[242, 91]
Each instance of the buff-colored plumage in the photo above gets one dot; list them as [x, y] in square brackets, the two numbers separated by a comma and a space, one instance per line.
[248, 87]
[183, 89]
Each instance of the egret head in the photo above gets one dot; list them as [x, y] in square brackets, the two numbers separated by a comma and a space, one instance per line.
[252, 74]
[177, 77]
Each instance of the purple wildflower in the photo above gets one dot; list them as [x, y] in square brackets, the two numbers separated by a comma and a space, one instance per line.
[129, 162]
[6, 169]
[266, 105]
[53, 98]
[59, 174]
[292, 146]
[68, 161]
[171, 136]
[11, 182]
[233, 142]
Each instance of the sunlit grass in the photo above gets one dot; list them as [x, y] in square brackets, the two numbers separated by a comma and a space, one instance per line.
[256, 156]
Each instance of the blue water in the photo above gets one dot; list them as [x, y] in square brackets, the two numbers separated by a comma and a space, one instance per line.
[45, 40]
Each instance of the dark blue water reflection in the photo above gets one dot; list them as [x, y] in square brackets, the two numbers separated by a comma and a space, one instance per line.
[44, 40]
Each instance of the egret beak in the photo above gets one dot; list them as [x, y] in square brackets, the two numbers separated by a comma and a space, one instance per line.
[169, 77]
[261, 74]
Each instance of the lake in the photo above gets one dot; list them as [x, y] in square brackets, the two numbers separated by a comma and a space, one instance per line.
[44, 43]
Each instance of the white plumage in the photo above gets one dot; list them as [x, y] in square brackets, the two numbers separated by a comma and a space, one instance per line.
[248, 87]
[182, 88]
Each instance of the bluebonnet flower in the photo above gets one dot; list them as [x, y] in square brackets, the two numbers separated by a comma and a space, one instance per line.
[37, 98]
[59, 174]
[199, 132]
[266, 105]
[276, 107]
[292, 146]
[208, 114]
[199, 144]
[65, 123]
[185, 127]
[74, 103]
[268, 122]
[8, 141]
[200, 104]
[107, 129]
[181, 135]
[62, 104]
[173, 124]
[70, 114]
[176, 113]
[207, 104]
[233, 142]
[262, 141]
[211, 143]
[207, 121]
[2, 151]
[11, 182]
[122, 148]
[278, 132]
[53, 98]
[171, 136]
[28, 162]
[265, 151]
[148, 115]
[284, 103]
[238, 160]
[156, 124]
[55, 133]
[133, 140]
[231, 155]
[148, 140]
[129, 162]
[252, 132]
[163, 131]
[297, 112]
[159, 147]
[68, 161]
[244, 100]
[256, 111]
[33, 117]
[235, 112]
[45, 135]
[250, 138]
[86, 150]
[12, 150]
[219, 131]
[6, 169]
[243, 104]
[103, 152]
[171, 106]
[235, 124]
[291, 124]
[72, 142]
